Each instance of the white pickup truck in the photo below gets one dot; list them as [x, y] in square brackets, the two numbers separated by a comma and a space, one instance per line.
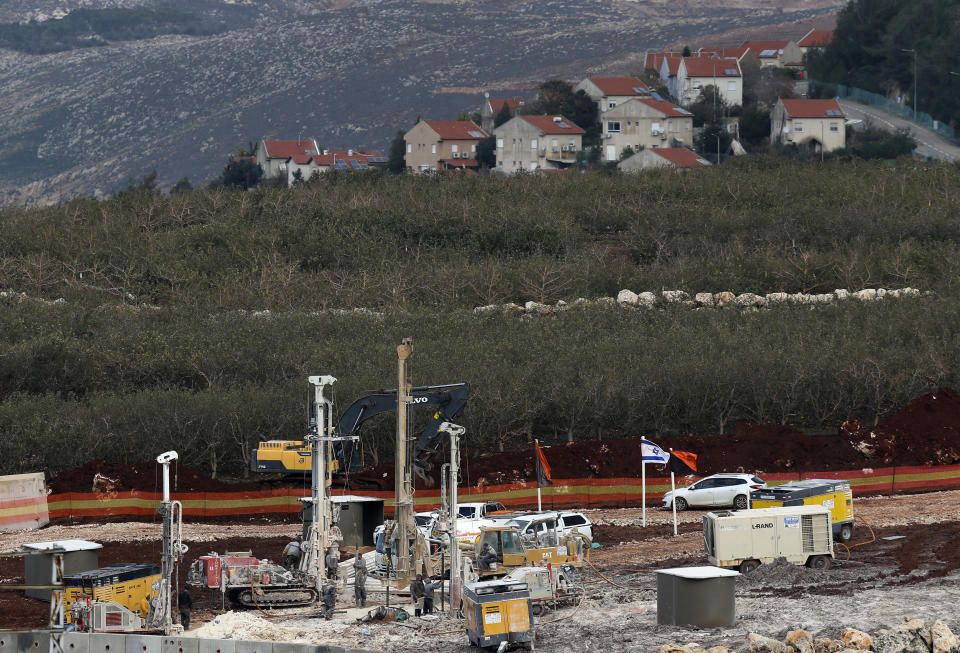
[471, 517]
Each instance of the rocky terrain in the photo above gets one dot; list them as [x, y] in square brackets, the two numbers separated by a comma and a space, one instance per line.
[350, 74]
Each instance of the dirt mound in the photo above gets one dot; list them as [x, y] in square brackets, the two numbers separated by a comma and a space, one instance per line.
[104, 476]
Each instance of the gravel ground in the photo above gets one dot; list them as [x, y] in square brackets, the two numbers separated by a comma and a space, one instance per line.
[916, 575]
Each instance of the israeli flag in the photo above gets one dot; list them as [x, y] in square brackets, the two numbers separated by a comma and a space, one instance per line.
[652, 453]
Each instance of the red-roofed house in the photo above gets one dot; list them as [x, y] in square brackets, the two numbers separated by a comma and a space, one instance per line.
[815, 38]
[816, 124]
[607, 92]
[724, 53]
[667, 157]
[430, 142]
[272, 155]
[697, 72]
[309, 165]
[644, 123]
[537, 143]
[493, 106]
[782, 54]
[653, 61]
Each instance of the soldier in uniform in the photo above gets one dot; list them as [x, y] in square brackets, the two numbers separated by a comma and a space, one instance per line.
[359, 581]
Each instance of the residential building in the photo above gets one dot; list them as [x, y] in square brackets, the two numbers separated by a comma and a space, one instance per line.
[724, 53]
[695, 73]
[273, 155]
[815, 38]
[644, 123]
[815, 124]
[652, 61]
[607, 92]
[493, 106]
[667, 157]
[780, 54]
[309, 165]
[442, 145]
[537, 143]
[669, 68]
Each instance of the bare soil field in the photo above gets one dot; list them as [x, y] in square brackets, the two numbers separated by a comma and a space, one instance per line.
[882, 581]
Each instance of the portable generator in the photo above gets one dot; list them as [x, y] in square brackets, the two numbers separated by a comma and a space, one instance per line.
[498, 611]
[129, 585]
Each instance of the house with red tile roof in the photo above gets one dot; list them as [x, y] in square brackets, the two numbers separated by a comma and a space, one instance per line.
[819, 125]
[644, 123]
[667, 157]
[652, 61]
[272, 155]
[724, 53]
[780, 54]
[815, 38]
[309, 165]
[432, 144]
[493, 106]
[607, 92]
[534, 143]
[695, 73]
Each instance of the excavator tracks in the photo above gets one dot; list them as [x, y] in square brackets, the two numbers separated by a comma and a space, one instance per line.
[280, 597]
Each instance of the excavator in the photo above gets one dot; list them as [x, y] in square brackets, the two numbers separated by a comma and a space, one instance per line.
[293, 456]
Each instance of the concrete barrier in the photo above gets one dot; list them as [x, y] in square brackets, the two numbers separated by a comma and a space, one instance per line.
[75, 643]
[179, 645]
[218, 646]
[143, 644]
[8, 643]
[107, 643]
[254, 647]
[23, 502]
[35, 641]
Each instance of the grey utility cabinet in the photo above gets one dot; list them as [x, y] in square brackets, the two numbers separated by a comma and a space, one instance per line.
[696, 596]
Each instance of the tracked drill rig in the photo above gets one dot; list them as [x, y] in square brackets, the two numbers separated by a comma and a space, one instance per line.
[247, 581]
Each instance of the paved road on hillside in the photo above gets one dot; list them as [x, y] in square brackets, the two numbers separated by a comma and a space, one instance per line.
[929, 143]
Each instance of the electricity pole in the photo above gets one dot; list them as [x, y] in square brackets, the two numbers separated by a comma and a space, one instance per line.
[914, 81]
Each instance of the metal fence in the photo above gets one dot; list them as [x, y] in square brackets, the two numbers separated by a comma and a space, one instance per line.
[902, 110]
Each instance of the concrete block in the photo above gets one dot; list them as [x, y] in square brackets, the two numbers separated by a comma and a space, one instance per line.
[8, 643]
[75, 643]
[218, 646]
[33, 642]
[27, 494]
[143, 644]
[107, 643]
[288, 647]
[254, 647]
[179, 645]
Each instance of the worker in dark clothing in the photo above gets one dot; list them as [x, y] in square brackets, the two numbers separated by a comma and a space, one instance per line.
[359, 581]
[329, 596]
[185, 604]
[292, 552]
[331, 562]
[427, 596]
[417, 591]
[487, 556]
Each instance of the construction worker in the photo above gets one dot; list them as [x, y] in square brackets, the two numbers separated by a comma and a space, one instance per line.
[329, 596]
[487, 557]
[292, 553]
[416, 592]
[427, 596]
[359, 580]
[185, 604]
[332, 562]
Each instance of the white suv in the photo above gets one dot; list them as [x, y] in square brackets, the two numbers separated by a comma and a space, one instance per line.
[717, 491]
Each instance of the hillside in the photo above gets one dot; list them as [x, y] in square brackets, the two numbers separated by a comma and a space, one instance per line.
[191, 322]
[82, 122]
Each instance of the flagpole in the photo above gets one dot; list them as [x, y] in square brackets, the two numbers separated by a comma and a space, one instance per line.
[643, 487]
[673, 489]
[536, 444]
[673, 493]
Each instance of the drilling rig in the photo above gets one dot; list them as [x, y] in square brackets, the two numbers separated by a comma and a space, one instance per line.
[250, 582]
[410, 547]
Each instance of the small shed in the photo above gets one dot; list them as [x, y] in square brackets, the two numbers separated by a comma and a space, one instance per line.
[358, 517]
[79, 556]
[696, 596]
